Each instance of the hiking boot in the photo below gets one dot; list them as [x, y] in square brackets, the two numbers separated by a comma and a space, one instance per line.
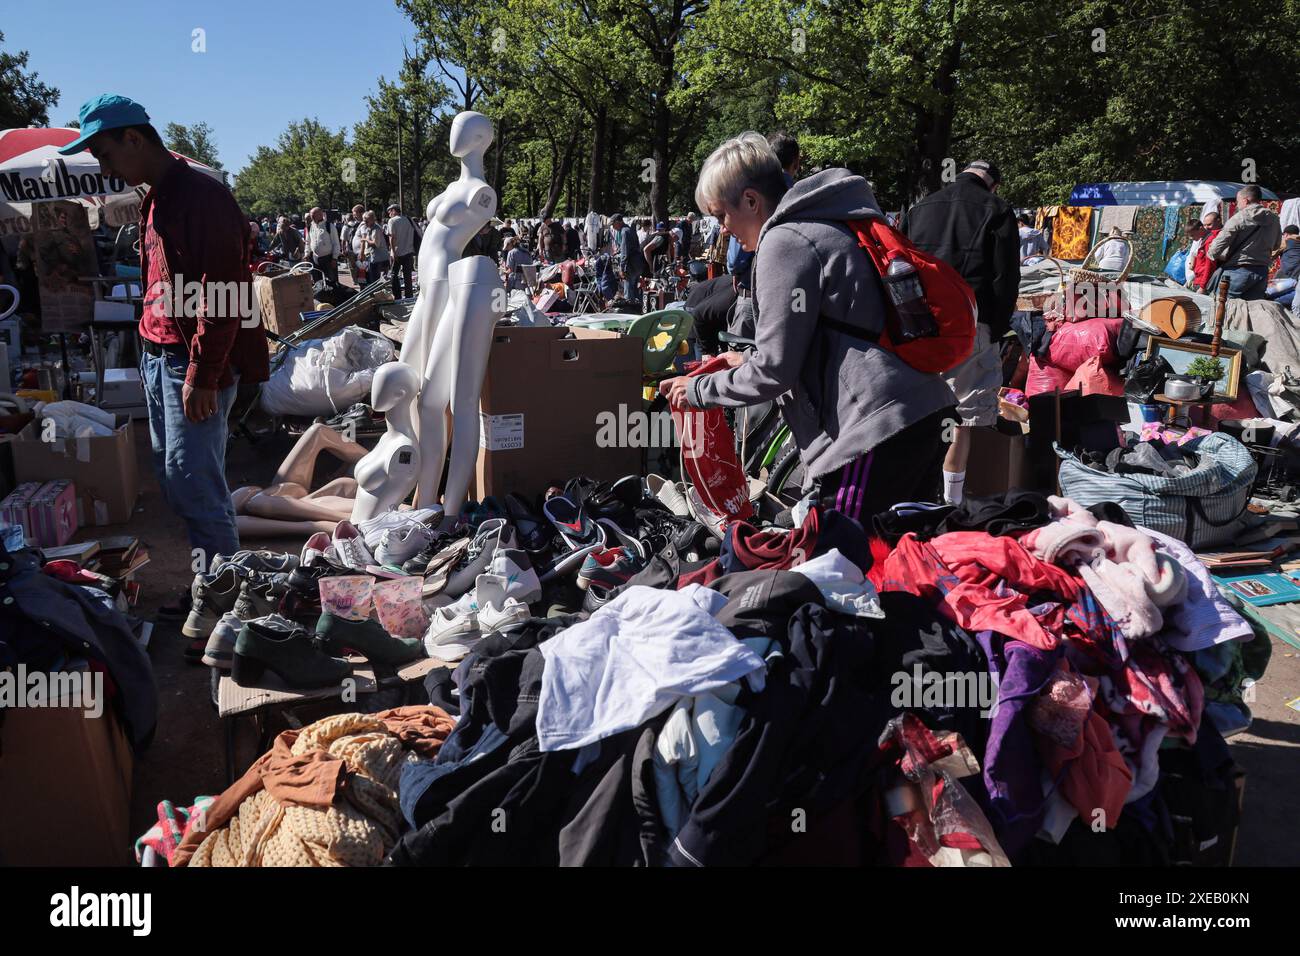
[367, 638]
[212, 595]
[257, 599]
[288, 650]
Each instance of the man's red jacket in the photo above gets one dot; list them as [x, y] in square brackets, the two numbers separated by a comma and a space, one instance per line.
[204, 238]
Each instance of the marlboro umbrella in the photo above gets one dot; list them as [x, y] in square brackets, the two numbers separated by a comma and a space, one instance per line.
[32, 171]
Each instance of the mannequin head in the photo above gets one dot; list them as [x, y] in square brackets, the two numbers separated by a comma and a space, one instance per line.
[470, 133]
[394, 385]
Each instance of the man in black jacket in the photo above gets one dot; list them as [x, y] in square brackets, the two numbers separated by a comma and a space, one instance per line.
[968, 226]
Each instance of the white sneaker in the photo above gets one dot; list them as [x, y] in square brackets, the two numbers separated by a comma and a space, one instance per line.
[351, 547]
[701, 512]
[452, 632]
[374, 529]
[318, 549]
[497, 610]
[404, 542]
[671, 494]
[509, 616]
[513, 566]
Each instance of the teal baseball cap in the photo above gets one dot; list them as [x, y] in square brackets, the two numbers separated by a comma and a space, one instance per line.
[106, 111]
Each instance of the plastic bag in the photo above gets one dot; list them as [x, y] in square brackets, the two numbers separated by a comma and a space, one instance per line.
[1146, 379]
[1176, 267]
[325, 376]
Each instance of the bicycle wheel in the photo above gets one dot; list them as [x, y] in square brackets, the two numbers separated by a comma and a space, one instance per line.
[787, 471]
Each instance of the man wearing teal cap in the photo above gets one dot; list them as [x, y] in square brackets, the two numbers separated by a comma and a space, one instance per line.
[200, 331]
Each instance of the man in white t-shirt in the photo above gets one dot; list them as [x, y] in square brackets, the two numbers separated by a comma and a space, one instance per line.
[323, 244]
[401, 237]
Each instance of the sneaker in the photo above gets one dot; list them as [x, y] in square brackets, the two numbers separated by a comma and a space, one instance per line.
[366, 637]
[597, 596]
[671, 494]
[265, 561]
[212, 595]
[288, 650]
[351, 547]
[716, 523]
[510, 615]
[492, 534]
[318, 550]
[257, 599]
[515, 567]
[610, 567]
[452, 632]
[535, 532]
[219, 651]
[404, 542]
[374, 529]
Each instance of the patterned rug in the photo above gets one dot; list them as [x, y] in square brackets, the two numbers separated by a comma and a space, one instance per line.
[1149, 241]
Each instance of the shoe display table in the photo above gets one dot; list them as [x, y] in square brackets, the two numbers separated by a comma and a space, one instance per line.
[234, 702]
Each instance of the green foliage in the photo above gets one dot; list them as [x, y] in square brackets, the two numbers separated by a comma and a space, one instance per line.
[1210, 369]
[616, 103]
[24, 99]
[194, 141]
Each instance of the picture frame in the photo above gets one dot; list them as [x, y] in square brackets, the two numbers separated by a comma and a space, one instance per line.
[1180, 354]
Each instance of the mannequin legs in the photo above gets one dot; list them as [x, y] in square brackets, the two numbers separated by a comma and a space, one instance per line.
[473, 344]
[425, 319]
[250, 527]
[432, 421]
[300, 463]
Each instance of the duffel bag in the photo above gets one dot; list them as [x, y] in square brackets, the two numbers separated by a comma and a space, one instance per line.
[1206, 506]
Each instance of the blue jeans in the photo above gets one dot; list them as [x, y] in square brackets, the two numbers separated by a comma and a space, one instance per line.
[1246, 283]
[190, 457]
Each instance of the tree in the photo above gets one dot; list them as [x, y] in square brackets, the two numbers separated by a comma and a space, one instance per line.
[413, 105]
[24, 99]
[308, 167]
[195, 141]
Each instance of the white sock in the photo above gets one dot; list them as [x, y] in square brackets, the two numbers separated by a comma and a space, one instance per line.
[953, 484]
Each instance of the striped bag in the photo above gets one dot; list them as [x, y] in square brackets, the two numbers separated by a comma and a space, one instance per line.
[1206, 506]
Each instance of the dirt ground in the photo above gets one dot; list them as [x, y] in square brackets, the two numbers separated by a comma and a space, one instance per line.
[188, 755]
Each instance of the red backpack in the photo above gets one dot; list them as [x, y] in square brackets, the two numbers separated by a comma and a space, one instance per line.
[950, 300]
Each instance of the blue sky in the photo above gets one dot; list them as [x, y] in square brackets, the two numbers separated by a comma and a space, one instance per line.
[252, 80]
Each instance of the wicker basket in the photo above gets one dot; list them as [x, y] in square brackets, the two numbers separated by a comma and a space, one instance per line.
[1037, 300]
[1081, 272]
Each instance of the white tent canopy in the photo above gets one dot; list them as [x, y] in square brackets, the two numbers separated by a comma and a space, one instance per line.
[1168, 192]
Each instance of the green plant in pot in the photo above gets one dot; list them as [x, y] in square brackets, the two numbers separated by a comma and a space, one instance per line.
[1206, 371]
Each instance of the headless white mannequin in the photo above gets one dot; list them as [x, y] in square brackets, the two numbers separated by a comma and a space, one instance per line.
[455, 217]
[453, 379]
[388, 473]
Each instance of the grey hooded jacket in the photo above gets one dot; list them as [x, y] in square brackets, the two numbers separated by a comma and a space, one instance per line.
[840, 394]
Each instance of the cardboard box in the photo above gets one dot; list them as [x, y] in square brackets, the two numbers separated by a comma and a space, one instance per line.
[14, 508]
[281, 298]
[52, 514]
[122, 389]
[102, 468]
[67, 781]
[540, 409]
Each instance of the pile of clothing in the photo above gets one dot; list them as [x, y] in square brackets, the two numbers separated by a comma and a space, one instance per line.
[56, 618]
[1013, 680]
